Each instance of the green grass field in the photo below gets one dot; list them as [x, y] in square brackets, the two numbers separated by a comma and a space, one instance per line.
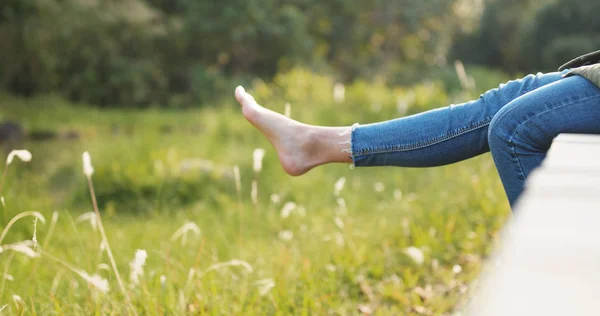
[395, 241]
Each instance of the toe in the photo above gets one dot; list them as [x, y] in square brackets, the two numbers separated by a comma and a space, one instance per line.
[240, 95]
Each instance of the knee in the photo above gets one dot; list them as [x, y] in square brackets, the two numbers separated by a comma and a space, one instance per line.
[500, 132]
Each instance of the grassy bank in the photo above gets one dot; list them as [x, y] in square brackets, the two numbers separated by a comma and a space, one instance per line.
[394, 241]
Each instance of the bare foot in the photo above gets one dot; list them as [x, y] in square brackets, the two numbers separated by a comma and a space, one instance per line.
[295, 142]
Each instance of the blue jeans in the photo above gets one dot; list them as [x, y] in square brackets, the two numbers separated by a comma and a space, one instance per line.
[515, 122]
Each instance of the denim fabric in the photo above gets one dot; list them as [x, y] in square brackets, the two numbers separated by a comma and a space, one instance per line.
[516, 122]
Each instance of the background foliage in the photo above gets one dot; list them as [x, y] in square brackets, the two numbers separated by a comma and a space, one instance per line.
[132, 53]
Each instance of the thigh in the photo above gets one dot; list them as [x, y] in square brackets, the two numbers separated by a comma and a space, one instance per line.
[532, 121]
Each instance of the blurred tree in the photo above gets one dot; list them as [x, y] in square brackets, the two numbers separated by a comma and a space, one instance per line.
[531, 35]
[182, 52]
[560, 31]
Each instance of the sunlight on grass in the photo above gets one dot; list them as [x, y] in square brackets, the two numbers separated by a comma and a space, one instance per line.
[196, 209]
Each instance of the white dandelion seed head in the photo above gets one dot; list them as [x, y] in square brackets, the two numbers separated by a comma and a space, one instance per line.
[137, 266]
[397, 194]
[456, 269]
[183, 231]
[89, 217]
[275, 199]
[339, 223]
[88, 170]
[102, 246]
[231, 263]
[97, 281]
[22, 154]
[287, 209]
[286, 235]
[17, 300]
[257, 156]
[379, 187]
[339, 92]
[342, 209]
[415, 254]
[34, 238]
[103, 266]
[23, 248]
[338, 186]
[264, 286]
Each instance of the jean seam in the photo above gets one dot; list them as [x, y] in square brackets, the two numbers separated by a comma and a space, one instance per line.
[520, 168]
[431, 142]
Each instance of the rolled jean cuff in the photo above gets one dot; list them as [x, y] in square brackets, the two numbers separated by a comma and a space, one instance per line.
[358, 149]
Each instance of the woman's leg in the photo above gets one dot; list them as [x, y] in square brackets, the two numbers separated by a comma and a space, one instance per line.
[432, 138]
[522, 131]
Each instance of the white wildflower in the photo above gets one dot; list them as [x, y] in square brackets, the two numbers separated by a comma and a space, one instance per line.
[397, 195]
[2, 199]
[230, 263]
[97, 281]
[191, 274]
[88, 170]
[103, 266]
[287, 209]
[456, 269]
[338, 186]
[22, 154]
[286, 235]
[379, 187]
[342, 209]
[163, 280]
[3, 307]
[330, 267]
[365, 309]
[339, 92]
[34, 238]
[184, 231]
[23, 248]
[254, 192]
[7, 277]
[415, 254]
[339, 223]
[17, 300]
[89, 217]
[288, 110]
[265, 286]
[257, 156]
[137, 266]
[238, 178]
[275, 199]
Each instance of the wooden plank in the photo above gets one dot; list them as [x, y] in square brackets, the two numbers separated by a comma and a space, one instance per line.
[549, 259]
[574, 152]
